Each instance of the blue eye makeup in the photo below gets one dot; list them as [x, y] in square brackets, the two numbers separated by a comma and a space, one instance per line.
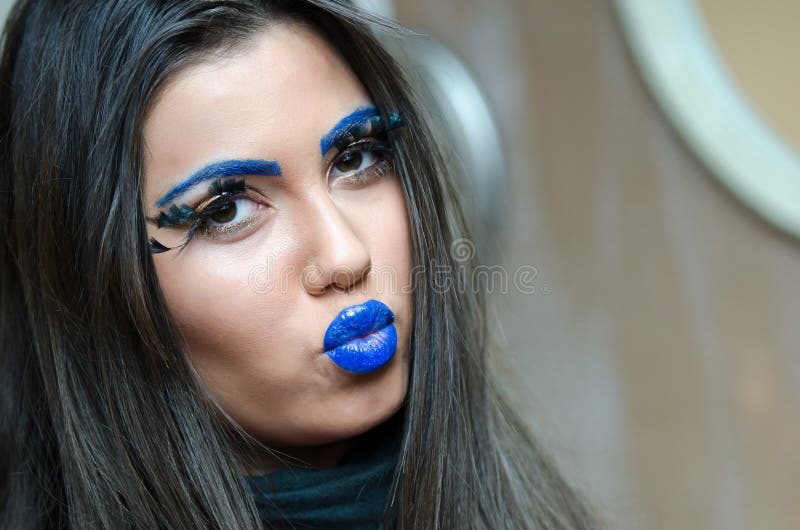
[225, 168]
[362, 155]
[361, 123]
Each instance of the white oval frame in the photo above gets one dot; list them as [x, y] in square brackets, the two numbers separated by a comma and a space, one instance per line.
[681, 65]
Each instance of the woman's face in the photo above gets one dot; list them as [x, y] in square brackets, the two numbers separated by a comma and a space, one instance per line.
[305, 224]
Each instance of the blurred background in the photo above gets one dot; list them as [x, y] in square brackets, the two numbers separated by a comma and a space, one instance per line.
[656, 355]
[657, 359]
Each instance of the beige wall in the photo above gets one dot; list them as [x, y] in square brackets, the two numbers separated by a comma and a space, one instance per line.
[659, 359]
[760, 42]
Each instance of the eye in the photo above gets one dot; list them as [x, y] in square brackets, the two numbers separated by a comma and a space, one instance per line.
[360, 163]
[228, 214]
[229, 217]
[232, 212]
[353, 161]
[225, 213]
[228, 210]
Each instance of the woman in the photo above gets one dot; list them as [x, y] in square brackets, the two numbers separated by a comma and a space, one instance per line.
[225, 226]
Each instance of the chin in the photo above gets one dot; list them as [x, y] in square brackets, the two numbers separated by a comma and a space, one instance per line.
[357, 422]
[347, 416]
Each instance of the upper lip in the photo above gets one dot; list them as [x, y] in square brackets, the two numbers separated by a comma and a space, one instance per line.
[357, 321]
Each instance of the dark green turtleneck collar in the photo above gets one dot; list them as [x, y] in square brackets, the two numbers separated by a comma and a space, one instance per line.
[352, 495]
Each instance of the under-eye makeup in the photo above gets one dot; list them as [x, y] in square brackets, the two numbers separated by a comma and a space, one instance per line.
[360, 163]
[361, 123]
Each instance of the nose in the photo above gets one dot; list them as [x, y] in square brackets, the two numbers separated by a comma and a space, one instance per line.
[338, 258]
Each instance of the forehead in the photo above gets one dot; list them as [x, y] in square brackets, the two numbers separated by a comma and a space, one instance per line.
[273, 99]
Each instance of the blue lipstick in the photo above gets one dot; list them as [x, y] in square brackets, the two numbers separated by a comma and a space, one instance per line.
[362, 338]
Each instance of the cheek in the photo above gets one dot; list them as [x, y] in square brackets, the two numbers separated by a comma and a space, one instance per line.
[251, 345]
[232, 310]
[385, 226]
[381, 220]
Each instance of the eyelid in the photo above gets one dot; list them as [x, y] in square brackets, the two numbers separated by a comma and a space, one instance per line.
[247, 192]
[376, 145]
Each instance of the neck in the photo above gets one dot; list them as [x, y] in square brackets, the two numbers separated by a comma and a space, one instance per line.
[323, 456]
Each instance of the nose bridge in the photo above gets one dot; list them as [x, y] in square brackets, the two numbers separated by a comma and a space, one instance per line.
[337, 255]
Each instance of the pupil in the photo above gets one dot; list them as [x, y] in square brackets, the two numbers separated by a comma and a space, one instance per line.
[225, 213]
[349, 162]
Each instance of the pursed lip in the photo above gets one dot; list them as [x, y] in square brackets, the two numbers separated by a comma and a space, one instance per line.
[357, 321]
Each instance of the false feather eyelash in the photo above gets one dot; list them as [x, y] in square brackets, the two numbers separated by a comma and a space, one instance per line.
[209, 210]
[395, 122]
[231, 187]
[176, 215]
[156, 247]
[184, 214]
[374, 126]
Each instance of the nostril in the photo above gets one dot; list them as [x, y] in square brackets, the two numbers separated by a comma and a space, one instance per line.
[313, 279]
[346, 277]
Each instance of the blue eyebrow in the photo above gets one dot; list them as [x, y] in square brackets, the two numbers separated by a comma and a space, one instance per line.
[359, 116]
[225, 168]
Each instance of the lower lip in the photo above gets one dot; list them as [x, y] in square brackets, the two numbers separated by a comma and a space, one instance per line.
[366, 354]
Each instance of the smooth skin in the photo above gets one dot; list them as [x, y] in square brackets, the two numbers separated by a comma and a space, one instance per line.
[253, 304]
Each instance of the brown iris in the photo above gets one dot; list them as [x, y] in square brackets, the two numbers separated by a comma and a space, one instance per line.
[349, 161]
[225, 212]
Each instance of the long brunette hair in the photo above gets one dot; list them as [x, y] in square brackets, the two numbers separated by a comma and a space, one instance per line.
[103, 423]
